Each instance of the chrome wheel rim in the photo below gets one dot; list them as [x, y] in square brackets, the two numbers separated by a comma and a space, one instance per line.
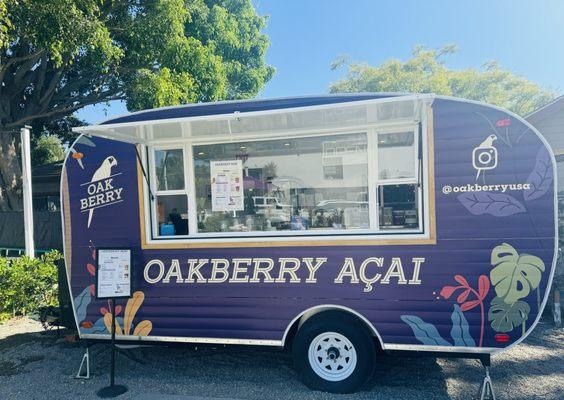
[332, 356]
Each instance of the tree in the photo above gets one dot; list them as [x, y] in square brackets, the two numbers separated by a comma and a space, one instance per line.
[426, 72]
[58, 56]
[47, 149]
[62, 128]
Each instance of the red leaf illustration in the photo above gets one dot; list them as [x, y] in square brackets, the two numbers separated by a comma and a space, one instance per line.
[470, 305]
[463, 296]
[92, 290]
[104, 310]
[460, 279]
[503, 122]
[483, 286]
[118, 309]
[447, 291]
[91, 269]
[86, 324]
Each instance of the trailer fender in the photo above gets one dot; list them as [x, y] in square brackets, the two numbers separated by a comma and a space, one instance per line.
[298, 321]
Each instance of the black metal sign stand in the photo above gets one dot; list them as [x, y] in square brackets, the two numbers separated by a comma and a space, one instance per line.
[113, 390]
[111, 256]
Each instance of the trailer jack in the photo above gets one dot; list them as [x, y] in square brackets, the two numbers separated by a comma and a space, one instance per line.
[86, 364]
[487, 392]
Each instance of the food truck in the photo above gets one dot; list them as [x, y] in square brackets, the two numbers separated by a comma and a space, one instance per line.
[337, 226]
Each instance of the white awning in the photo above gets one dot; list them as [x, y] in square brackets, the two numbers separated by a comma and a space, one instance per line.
[389, 111]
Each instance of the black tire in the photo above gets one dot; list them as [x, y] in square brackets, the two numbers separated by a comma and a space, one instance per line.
[354, 331]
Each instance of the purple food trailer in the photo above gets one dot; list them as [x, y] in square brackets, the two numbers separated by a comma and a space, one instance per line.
[335, 225]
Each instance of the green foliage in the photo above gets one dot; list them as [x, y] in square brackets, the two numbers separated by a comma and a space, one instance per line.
[62, 128]
[47, 149]
[28, 284]
[57, 56]
[426, 72]
[160, 89]
[514, 275]
[506, 317]
[4, 24]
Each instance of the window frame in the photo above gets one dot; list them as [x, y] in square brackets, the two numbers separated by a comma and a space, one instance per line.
[418, 177]
[154, 225]
[371, 131]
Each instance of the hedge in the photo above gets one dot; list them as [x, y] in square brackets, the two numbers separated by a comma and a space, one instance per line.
[26, 284]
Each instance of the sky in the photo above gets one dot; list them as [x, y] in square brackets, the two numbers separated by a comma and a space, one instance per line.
[525, 37]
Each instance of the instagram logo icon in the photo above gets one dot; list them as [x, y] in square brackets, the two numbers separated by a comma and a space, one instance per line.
[484, 157]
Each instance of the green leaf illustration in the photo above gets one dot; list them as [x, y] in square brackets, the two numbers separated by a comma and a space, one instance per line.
[424, 332]
[460, 331]
[505, 317]
[514, 275]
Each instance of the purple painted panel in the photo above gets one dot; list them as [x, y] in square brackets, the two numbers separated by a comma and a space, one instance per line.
[487, 275]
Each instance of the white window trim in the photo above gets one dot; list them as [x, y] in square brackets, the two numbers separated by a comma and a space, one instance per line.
[154, 226]
[194, 236]
[191, 189]
[377, 182]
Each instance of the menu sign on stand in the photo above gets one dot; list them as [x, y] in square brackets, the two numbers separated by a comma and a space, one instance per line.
[113, 278]
[113, 281]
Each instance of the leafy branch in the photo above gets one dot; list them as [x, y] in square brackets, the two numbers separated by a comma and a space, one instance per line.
[465, 290]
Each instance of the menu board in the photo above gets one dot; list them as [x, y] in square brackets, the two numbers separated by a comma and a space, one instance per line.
[227, 185]
[113, 275]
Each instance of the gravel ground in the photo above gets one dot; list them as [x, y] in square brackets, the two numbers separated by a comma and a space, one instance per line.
[39, 366]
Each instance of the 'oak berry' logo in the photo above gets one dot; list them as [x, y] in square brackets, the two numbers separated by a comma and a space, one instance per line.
[100, 190]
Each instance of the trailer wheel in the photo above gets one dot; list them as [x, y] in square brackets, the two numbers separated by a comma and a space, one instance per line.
[334, 352]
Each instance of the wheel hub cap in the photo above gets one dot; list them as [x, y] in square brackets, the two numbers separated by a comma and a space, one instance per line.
[333, 353]
[332, 356]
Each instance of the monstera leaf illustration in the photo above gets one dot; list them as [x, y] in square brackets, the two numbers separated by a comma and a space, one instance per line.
[505, 317]
[514, 275]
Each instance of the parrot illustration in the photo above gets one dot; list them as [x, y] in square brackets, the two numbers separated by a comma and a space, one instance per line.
[488, 143]
[104, 171]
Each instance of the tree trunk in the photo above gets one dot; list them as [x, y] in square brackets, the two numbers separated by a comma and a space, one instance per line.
[10, 172]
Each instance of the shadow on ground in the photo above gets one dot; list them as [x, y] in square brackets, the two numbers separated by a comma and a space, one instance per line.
[32, 365]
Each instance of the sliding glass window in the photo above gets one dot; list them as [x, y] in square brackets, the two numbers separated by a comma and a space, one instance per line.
[366, 182]
[316, 183]
[170, 203]
[397, 182]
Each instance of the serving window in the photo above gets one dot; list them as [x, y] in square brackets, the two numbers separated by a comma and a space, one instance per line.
[317, 183]
[360, 182]
[347, 170]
